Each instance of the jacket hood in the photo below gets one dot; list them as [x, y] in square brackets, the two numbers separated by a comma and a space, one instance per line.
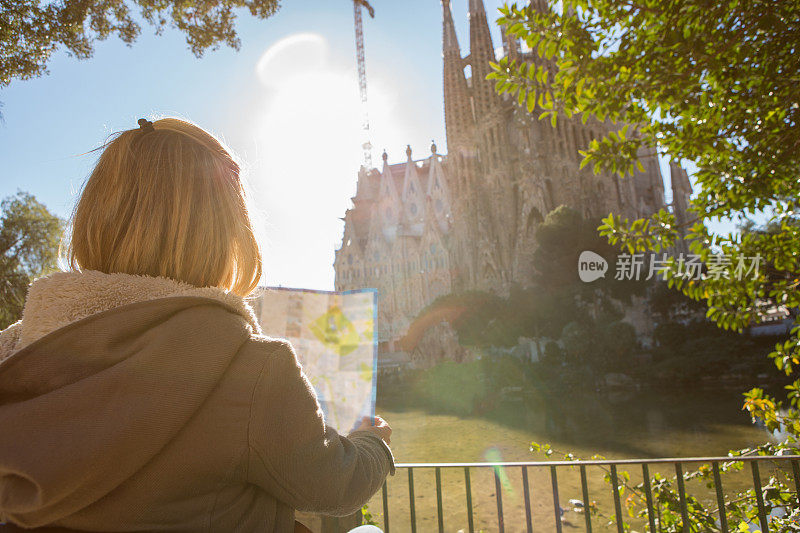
[98, 376]
[64, 297]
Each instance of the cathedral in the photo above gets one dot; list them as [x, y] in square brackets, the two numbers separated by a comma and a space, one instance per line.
[466, 220]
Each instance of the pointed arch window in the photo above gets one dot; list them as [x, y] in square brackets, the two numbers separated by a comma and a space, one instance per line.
[574, 148]
[534, 219]
[551, 199]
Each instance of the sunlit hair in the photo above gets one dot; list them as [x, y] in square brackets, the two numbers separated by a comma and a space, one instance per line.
[168, 203]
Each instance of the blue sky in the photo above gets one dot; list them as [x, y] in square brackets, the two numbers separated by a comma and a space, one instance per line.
[301, 177]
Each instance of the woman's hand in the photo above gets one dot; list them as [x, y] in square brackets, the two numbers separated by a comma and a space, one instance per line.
[377, 426]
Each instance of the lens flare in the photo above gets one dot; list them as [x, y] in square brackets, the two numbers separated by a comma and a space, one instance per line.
[493, 455]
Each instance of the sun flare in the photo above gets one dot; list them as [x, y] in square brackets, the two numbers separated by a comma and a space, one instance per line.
[309, 137]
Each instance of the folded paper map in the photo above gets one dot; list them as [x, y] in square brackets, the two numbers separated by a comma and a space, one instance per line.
[335, 337]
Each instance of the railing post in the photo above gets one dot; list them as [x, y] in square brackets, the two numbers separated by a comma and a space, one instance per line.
[723, 515]
[498, 490]
[617, 504]
[439, 499]
[469, 500]
[586, 507]
[385, 509]
[556, 503]
[648, 493]
[411, 500]
[762, 514]
[682, 494]
[526, 494]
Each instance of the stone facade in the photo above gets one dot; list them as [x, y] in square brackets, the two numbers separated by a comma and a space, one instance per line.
[427, 227]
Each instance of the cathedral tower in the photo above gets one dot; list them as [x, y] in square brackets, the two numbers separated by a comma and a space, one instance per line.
[681, 201]
[458, 118]
[511, 46]
[490, 132]
[681, 193]
[481, 50]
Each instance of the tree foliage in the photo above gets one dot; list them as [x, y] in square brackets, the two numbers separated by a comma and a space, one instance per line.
[29, 242]
[32, 30]
[561, 238]
[714, 83]
[556, 306]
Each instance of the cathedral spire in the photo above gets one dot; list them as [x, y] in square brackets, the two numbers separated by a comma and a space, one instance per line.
[449, 37]
[681, 192]
[457, 107]
[681, 202]
[490, 134]
[511, 45]
[476, 6]
[481, 55]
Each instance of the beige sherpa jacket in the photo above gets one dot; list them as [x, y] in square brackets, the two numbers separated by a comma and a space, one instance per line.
[131, 403]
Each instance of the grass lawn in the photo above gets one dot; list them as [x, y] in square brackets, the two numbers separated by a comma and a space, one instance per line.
[420, 436]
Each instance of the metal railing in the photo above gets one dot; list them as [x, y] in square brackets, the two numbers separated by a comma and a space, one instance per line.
[612, 465]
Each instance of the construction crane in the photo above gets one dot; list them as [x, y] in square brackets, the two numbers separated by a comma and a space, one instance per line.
[362, 77]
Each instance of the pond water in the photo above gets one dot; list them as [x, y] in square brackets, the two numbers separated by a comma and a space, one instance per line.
[636, 424]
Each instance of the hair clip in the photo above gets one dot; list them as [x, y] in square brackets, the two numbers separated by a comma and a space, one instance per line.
[145, 125]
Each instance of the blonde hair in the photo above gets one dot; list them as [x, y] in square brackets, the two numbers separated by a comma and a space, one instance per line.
[169, 203]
